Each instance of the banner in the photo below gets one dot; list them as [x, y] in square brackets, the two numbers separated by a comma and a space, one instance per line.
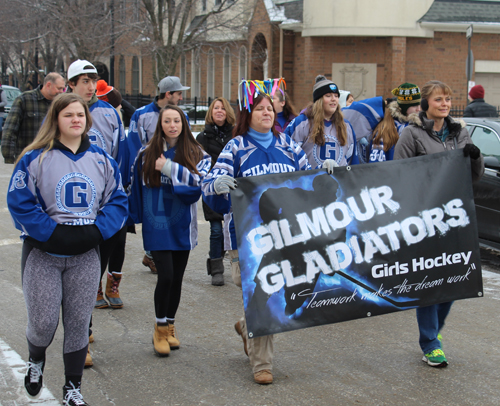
[368, 240]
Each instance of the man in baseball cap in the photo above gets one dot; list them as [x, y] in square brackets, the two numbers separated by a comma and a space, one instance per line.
[172, 88]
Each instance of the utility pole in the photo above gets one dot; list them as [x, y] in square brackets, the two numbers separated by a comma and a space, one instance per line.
[112, 53]
[469, 64]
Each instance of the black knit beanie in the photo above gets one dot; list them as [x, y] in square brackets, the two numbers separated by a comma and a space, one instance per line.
[324, 86]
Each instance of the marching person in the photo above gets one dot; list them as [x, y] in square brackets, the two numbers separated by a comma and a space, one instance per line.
[143, 125]
[404, 110]
[436, 131]
[255, 147]
[285, 111]
[66, 197]
[108, 133]
[165, 188]
[384, 139]
[321, 130]
[219, 124]
[26, 115]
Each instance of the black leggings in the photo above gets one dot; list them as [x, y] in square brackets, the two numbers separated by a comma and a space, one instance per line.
[170, 266]
[113, 252]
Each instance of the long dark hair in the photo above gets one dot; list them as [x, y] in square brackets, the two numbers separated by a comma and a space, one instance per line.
[187, 154]
[245, 117]
[288, 108]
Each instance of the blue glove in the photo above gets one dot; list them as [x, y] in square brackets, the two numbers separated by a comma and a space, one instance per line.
[329, 164]
[223, 183]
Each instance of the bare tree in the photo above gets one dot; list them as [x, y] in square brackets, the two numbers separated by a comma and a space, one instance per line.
[174, 27]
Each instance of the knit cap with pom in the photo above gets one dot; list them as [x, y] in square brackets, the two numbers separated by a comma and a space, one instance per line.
[108, 93]
[324, 86]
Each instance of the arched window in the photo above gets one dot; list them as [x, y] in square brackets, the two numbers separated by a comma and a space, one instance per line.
[183, 72]
[123, 83]
[135, 75]
[242, 73]
[211, 74]
[226, 75]
[195, 73]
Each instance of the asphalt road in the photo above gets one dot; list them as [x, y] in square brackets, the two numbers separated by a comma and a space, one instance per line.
[373, 361]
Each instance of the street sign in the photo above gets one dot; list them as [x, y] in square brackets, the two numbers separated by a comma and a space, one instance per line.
[468, 33]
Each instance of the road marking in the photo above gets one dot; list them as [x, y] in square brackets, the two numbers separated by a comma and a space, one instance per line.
[10, 241]
[12, 370]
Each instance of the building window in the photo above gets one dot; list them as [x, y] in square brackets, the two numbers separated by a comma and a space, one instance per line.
[183, 73]
[135, 75]
[203, 5]
[195, 73]
[242, 73]
[211, 74]
[123, 83]
[226, 75]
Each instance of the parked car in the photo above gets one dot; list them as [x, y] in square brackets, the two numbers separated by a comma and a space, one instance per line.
[485, 133]
[11, 92]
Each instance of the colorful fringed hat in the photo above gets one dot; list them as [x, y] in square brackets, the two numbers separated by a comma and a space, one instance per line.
[249, 89]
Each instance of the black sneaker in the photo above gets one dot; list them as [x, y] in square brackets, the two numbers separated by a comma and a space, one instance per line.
[72, 396]
[33, 380]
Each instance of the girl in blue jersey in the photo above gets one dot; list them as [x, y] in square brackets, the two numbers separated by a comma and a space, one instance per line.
[66, 196]
[251, 152]
[165, 188]
[385, 137]
[321, 130]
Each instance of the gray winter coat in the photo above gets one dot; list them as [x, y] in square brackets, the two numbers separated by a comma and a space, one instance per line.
[417, 139]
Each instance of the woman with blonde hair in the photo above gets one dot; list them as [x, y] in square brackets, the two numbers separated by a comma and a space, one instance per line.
[321, 130]
[385, 137]
[165, 189]
[66, 197]
[436, 131]
[219, 124]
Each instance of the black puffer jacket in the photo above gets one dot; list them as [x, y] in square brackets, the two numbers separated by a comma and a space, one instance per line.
[479, 108]
[213, 139]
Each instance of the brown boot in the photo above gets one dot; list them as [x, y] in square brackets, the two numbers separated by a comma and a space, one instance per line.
[100, 303]
[239, 330]
[172, 337]
[88, 359]
[160, 343]
[148, 262]
[112, 294]
[264, 377]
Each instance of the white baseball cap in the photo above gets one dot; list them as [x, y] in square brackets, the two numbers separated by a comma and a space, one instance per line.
[171, 84]
[79, 67]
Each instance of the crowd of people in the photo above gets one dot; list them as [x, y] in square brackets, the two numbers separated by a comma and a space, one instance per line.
[80, 183]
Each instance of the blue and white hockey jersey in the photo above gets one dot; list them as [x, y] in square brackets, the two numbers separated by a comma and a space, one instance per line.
[377, 153]
[107, 132]
[242, 157]
[298, 131]
[169, 213]
[59, 187]
[142, 128]
[364, 116]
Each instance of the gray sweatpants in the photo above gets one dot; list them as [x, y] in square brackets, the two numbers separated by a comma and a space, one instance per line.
[50, 281]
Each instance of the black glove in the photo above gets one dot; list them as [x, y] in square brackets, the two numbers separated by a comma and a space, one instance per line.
[70, 240]
[472, 151]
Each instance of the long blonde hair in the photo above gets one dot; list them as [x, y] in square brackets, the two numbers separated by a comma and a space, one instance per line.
[50, 128]
[386, 132]
[230, 116]
[316, 115]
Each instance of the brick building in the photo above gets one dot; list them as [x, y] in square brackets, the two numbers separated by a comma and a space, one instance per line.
[366, 47]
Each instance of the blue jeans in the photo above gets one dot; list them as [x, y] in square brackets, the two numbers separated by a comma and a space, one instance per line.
[430, 322]
[216, 239]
